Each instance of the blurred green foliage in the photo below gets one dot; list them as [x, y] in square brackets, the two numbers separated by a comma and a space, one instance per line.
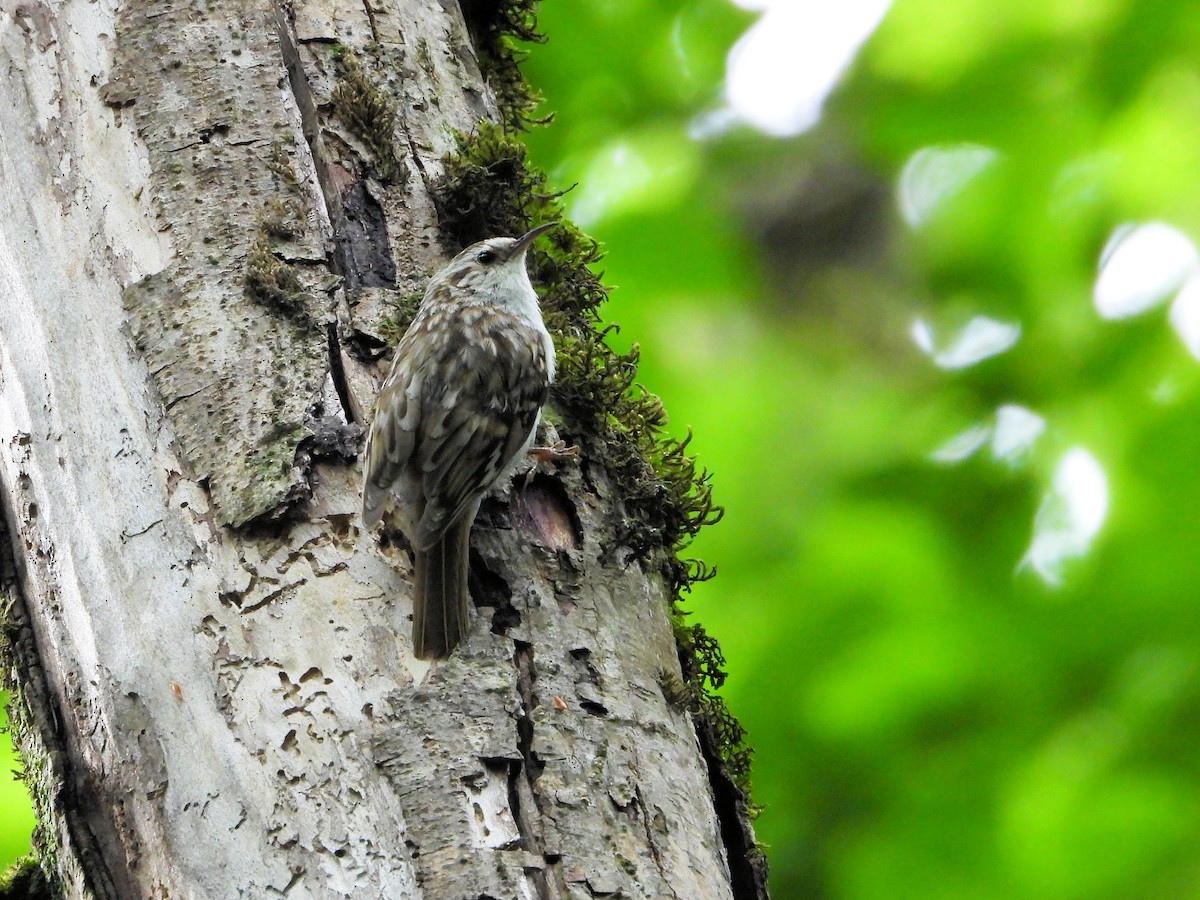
[930, 718]
[16, 816]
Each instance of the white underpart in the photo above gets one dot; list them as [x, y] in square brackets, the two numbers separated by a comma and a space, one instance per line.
[508, 286]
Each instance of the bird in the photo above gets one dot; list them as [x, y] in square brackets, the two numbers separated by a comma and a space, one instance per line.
[455, 416]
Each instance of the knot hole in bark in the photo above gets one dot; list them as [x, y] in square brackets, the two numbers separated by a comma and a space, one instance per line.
[544, 507]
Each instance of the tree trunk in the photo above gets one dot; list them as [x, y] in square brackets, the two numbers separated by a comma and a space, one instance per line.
[209, 212]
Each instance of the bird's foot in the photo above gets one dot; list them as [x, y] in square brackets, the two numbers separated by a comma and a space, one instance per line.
[540, 456]
[556, 452]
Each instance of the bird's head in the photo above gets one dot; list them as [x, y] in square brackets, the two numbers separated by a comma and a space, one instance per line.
[493, 269]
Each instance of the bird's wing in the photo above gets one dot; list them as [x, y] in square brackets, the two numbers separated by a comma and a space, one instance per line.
[475, 424]
[387, 473]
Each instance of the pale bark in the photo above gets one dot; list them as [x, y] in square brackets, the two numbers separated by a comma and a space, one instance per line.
[217, 695]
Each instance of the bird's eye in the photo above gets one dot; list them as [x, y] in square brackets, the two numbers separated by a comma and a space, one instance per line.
[486, 256]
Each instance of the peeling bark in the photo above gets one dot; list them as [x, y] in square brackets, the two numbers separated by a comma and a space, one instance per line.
[200, 235]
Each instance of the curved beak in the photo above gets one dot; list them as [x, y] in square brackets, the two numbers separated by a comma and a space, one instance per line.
[523, 242]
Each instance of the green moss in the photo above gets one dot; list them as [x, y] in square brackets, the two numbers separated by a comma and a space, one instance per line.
[497, 30]
[424, 60]
[274, 283]
[276, 454]
[280, 163]
[403, 310]
[23, 880]
[369, 113]
[490, 189]
[703, 666]
[284, 219]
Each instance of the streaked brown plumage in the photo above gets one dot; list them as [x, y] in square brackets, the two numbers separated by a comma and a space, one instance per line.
[457, 412]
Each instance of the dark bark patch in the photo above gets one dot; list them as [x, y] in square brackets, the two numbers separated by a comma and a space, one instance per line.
[526, 676]
[364, 253]
[366, 347]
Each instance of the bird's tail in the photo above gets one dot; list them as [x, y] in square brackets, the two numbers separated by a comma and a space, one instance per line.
[440, 599]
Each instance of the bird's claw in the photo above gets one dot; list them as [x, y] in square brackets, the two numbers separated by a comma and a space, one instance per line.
[556, 452]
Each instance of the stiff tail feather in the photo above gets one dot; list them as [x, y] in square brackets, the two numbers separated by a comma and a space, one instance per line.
[440, 600]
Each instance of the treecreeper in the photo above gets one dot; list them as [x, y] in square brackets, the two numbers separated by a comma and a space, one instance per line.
[456, 415]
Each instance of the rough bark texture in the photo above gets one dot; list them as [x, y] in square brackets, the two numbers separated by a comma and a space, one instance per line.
[205, 208]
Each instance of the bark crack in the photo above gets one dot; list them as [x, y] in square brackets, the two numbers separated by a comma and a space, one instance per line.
[655, 852]
[337, 371]
[522, 796]
[126, 535]
[337, 260]
[310, 127]
[370, 14]
[413, 150]
[176, 400]
[361, 254]
[272, 596]
[297, 80]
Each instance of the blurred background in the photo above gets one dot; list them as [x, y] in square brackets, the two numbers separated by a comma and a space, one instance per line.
[922, 278]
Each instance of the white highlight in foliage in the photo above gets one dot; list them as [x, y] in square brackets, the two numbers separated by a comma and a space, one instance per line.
[1140, 267]
[1070, 516]
[963, 445]
[934, 174]
[980, 338]
[780, 71]
[1017, 428]
[1015, 431]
